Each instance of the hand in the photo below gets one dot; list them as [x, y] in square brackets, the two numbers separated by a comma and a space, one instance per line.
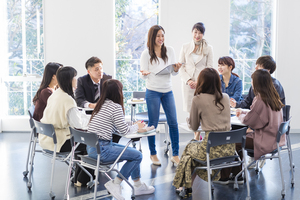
[92, 105]
[144, 72]
[238, 112]
[140, 124]
[232, 102]
[177, 66]
[192, 84]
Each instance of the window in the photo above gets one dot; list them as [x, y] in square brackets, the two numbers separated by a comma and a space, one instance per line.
[252, 34]
[22, 65]
[133, 19]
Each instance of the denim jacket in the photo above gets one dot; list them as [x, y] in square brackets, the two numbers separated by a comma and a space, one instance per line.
[234, 88]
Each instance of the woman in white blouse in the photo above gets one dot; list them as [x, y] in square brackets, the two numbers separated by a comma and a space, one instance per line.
[159, 88]
[196, 56]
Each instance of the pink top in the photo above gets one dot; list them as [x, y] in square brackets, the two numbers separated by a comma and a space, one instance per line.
[265, 123]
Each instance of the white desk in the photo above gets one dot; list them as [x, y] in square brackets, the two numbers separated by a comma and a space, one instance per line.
[139, 135]
[233, 120]
[133, 103]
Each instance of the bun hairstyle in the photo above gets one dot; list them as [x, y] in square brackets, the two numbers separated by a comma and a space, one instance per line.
[200, 27]
[226, 60]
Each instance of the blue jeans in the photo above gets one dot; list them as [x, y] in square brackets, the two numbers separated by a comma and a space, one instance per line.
[110, 151]
[153, 100]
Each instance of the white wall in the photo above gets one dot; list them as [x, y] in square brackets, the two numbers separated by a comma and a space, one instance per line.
[75, 30]
[177, 17]
[288, 69]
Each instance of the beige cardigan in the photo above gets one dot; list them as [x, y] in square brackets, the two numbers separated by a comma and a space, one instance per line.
[190, 70]
[58, 105]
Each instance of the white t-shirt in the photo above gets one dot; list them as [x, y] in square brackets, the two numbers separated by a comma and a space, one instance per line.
[158, 83]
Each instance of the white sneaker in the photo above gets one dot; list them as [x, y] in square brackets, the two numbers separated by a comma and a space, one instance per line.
[114, 189]
[143, 189]
[250, 160]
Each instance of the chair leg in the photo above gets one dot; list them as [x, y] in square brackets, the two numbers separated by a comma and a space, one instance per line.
[246, 175]
[289, 147]
[281, 172]
[166, 141]
[30, 149]
[29, 183]
[52, 195]
[208, 177]
[66, 197]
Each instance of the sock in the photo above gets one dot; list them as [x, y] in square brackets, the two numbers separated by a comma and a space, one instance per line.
[117, 181]
[137, 183]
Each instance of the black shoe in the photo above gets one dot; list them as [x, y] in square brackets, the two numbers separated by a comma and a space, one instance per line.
[240, 180]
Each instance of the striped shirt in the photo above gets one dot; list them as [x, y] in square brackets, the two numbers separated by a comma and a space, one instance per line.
[110, 119]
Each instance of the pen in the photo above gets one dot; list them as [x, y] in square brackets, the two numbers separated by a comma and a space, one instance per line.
[142, 121]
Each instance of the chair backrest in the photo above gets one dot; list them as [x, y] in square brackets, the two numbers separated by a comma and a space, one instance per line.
[138, 94]
[229, 137]
[283, 128]
[46, 129]
[87, 138]
[286, 112]
[30, 120]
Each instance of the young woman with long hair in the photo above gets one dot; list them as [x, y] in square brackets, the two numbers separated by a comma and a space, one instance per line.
[231, 83]
[108, 118]
[62, 112]
[159, 88]
[47, 87]
[264, 117]
[210, 109]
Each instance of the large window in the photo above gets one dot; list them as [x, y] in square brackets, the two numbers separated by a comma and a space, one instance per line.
[133, 19]
[22, 54]
[252, 34]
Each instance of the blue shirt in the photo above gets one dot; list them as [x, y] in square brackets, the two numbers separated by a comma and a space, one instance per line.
[234, 88]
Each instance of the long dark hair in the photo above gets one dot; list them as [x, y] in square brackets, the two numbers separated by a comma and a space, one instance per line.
[64, 78]
[209, 82]
[263, 86]
[112, 90]
[151, 44]
[226, 60]
[50, 70]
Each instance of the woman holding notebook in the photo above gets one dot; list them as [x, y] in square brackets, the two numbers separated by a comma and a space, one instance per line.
[159, 88]
[197, 55]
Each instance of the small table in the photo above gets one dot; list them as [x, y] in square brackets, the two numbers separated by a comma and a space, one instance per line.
[133, 104]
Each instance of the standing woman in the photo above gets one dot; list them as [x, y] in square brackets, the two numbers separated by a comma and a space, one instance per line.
[47, 87]
[159, 88]
[231, 83]
[197, 55]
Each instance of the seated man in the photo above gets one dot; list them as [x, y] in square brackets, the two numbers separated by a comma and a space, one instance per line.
[263, 62]
[89, 86]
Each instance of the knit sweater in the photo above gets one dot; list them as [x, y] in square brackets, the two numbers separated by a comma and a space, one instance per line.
[58, 105]
[204, 112]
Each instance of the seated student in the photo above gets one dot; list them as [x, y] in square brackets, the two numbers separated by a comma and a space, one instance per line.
[62, 112]
[107, 118]
[263, 62]
[231, 83]
[265, 117]
[89, 86]
[210, 108]
[47, 87]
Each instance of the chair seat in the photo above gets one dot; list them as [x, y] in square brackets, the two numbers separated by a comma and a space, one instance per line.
[144, 116]
[218, 161]
[92, 161]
